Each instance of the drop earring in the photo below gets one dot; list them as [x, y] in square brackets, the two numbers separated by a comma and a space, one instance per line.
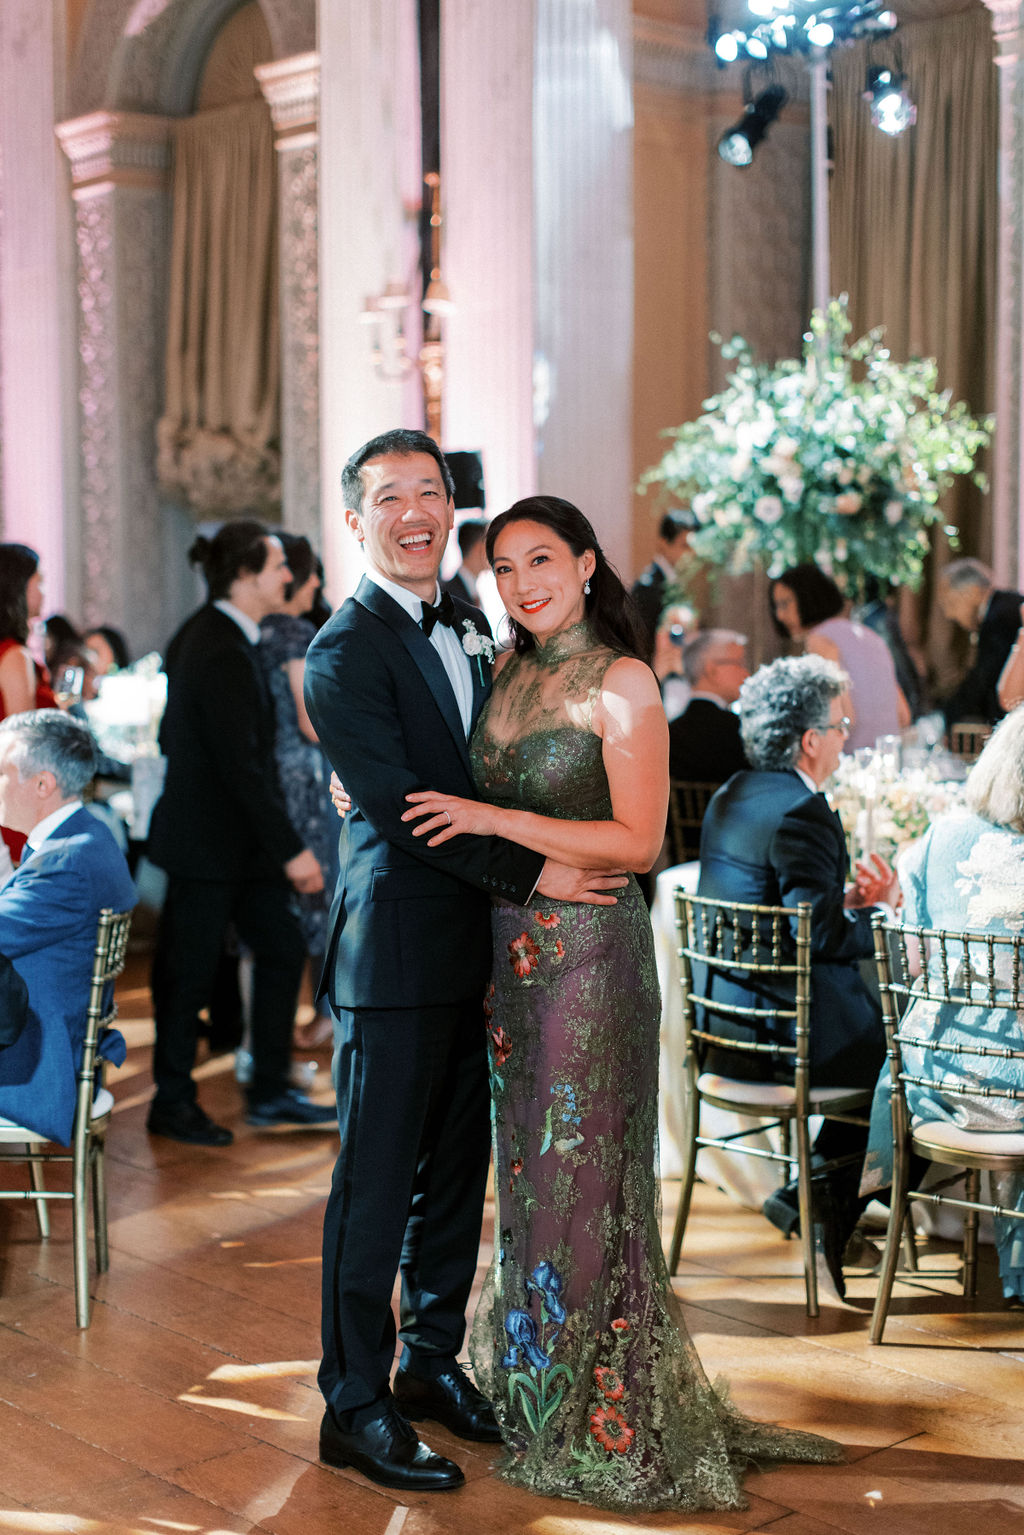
[586, 588]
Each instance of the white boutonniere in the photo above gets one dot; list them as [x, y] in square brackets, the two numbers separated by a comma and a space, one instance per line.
[476, 644]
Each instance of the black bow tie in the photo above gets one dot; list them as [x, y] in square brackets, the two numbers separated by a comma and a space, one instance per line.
[443, 613]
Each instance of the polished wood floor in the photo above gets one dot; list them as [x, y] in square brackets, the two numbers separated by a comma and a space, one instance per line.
[190, 1404]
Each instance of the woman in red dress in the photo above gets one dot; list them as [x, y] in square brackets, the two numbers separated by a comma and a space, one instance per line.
[24, 684]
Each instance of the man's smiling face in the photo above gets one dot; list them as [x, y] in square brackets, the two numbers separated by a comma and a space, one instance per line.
[404, 520]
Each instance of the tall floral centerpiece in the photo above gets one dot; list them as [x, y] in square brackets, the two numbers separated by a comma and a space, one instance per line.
[838, 457]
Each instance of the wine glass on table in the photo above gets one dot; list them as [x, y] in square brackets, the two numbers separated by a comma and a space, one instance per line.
[68, 682]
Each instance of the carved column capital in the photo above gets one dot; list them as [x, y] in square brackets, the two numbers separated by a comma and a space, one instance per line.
[291, 88]
[116, 148]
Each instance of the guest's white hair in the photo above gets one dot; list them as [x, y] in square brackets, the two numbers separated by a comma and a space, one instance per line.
[50, 741]
[995, 784]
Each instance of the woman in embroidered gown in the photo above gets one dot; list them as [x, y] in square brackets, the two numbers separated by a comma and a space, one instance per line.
[578, 1339]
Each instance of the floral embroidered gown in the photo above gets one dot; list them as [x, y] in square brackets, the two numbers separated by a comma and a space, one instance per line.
[578, 1339]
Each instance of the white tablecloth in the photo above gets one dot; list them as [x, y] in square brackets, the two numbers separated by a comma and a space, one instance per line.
[748, 1179]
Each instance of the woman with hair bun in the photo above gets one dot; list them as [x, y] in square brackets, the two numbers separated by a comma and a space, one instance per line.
[578, 1340]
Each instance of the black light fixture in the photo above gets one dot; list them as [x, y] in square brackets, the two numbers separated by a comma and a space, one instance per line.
[738, 143]
[892, 110]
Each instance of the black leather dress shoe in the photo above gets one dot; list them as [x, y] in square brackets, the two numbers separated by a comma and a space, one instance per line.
[186, 1122]
[388, 1452]
[450, 1398]
[291, 1108]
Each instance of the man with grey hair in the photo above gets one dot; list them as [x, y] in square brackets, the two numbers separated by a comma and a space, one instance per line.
[771, 838]
[967, 596]
[704, 742]
[70, 871]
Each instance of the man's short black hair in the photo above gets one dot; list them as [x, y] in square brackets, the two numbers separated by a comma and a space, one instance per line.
[401, 442]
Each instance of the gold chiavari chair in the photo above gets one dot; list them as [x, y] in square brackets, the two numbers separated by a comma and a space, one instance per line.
[92, 1115]
[754, 947]
[975, 973]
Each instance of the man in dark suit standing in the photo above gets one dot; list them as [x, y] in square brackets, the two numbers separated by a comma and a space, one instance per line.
[650, 590]
[221, 831]
[771, 838]
[472, 537]
[70, 871]
[394, 683]
[968, 596]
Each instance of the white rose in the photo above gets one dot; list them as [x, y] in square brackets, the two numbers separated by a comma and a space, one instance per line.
[893, 512]
[849, 502]
[768, 509]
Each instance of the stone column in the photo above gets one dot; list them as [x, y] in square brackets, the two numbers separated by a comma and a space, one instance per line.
[370, 193]
[119, 163]
[1008, 446]
[37, 424]
[292, 90]
[536, 161]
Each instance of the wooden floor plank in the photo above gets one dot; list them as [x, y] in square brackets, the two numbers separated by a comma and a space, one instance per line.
[191, 1402]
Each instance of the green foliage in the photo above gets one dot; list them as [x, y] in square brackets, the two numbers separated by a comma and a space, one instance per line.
[839, 457]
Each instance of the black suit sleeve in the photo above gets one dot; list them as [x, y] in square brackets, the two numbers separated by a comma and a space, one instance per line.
[351, 699]
[228, 705]
[809, 861]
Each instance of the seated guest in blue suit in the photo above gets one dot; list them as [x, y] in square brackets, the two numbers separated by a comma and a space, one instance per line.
[771, 838]
[71, 869]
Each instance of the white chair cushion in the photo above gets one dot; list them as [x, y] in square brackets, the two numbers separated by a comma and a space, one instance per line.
[9, 1131]
[1000, 1143]
[770, 1095]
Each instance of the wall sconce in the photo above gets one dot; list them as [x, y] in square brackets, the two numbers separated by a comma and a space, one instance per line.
[385, 314]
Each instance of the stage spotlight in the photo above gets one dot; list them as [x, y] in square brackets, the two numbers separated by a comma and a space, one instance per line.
[892, 110]
[737, 144]
[727, 48]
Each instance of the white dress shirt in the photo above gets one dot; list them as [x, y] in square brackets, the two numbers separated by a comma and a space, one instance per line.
[445, 641]
[49, 824]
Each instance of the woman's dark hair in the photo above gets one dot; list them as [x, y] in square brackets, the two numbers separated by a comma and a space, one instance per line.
[117, 642]
[236, 548]
[18, 564]
[817, 596]
[320, 612]
[608, 606]
[302, 562]
[58, 631]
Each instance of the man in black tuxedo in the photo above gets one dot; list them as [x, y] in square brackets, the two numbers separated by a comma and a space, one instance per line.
[704, 743]
[394, 683]
[967, 595]
[221, 831]
[650, 590]
[770, 837]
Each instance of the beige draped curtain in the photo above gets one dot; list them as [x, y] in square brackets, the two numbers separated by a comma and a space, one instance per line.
[218, 441]
[914, 230]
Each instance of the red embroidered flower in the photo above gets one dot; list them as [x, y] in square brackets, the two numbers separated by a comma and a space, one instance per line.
[523, 953]
[609, 1384]
[559, 949]
[620, 1324]
[517, 1166]
[547, 919]
[611, 1430]
[488, 1004]
[501, 1044]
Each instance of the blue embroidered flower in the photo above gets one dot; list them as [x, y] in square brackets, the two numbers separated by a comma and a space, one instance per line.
[522, 1332]
[547, 1282]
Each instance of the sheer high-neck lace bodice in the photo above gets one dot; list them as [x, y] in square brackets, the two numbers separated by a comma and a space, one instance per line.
[578, 1339]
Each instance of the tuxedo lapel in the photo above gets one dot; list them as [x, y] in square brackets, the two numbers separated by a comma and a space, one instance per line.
[429, 664]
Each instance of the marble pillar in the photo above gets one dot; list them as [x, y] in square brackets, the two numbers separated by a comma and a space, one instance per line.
[1008, 445]
[536, 154]
[37, 412]
[292, 88]
[119, 164]
[369, 200]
